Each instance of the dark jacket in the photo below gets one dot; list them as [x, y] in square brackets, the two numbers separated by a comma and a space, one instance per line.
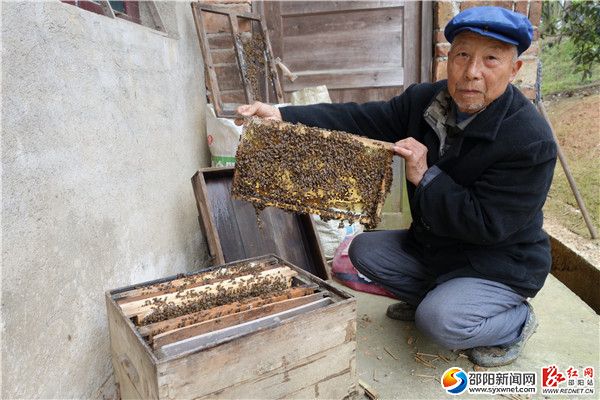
[482, 215]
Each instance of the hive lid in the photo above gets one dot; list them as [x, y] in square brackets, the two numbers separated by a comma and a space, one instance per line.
[232, 232]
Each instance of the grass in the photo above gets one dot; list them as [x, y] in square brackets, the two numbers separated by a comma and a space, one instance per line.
[576, 121]
[559, 73]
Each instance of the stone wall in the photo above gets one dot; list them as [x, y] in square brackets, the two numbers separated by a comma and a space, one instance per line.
[103, 126]
[445, 10]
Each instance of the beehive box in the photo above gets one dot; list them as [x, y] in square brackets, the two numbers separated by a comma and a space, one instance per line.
[267, 347]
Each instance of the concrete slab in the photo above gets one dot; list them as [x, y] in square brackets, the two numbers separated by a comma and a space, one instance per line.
[568, 335]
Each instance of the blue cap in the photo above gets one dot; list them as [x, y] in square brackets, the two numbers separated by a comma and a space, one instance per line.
[495, 22]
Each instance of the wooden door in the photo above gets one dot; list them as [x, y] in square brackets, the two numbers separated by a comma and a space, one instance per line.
[361, 50]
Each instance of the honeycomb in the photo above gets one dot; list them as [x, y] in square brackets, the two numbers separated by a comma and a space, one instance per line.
[304, 169]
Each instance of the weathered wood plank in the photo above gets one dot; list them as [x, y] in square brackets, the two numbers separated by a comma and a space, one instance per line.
[283, 233]
[212, 81]
[328, 374]
[316, 7]
[363, 95]
[218, 337]
[208, 224]
[288, 344]
[342, 79]
[236, 318]
[134, 364]
[382, 20]
[342, 51]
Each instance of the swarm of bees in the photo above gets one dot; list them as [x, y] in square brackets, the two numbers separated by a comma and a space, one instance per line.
[310, 170]
[255, 63]
[194, 301]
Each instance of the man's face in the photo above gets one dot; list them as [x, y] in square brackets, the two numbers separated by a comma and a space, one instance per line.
[479, 70]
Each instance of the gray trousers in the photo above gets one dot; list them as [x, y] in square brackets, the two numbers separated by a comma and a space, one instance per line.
[458, 314]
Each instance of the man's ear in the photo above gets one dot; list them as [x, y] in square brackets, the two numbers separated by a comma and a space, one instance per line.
[515, 69]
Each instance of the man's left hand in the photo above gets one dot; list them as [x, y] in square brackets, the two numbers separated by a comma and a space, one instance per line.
[415, 157]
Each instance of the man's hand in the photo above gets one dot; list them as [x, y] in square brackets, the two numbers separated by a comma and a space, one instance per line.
[258, 109]
[415, 157]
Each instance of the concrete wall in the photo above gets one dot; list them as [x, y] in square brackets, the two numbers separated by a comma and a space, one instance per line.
[102, 128]
[445, 10]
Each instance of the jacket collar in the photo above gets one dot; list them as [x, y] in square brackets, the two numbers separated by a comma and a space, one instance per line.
[486, 124]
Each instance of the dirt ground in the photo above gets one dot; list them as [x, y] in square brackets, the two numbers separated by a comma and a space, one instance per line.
[575, 117]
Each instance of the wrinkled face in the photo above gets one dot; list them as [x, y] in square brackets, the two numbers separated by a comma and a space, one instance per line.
[479, 70]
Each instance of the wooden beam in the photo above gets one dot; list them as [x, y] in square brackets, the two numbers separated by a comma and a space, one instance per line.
[215, 338]
[226, 321]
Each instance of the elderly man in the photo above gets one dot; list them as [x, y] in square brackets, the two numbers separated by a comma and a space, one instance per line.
[479, 163]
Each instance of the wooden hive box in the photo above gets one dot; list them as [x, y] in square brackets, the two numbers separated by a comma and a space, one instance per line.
[303, 352]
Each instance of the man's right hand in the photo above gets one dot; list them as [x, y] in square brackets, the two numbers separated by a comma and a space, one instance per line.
[258, 109]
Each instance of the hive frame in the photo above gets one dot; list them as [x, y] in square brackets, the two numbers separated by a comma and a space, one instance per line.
[214, 92]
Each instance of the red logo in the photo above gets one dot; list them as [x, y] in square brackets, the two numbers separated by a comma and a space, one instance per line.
[551, 377]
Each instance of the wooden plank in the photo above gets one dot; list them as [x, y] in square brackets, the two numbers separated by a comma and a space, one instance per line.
[233, 96]
[412, 44]
[215, 22]
[363, 95]
[222, 209]
[291, 342]
[271, 65]
[218, 337]
[342, 79]
[227, 11]
[188, 282]
[220, 41]
[236, 220]
[223, 57]
[142, 308]
[229, 77]
[345, 51]
[426, 36]
[206, 56]
[317, 7]
[188, 319]
[133, 362]
[313, 246]
[369, 391]
[239, 51]
[381, 20]
[208, 222]
[329, 374]
[226, 321]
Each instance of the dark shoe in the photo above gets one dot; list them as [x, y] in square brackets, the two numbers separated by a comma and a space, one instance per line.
[401, 311]
[504, 355]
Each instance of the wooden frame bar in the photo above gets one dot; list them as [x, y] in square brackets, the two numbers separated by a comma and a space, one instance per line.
[226, 321]
[205, 315]
[144, 307]
[214, 338]
[214, 91]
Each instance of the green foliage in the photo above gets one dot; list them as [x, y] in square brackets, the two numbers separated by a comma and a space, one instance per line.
[582, 25]
[579, 21]
[559, 70]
